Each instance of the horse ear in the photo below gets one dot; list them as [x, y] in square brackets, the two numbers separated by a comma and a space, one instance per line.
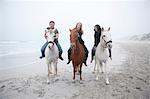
[109, 29]
[70, 30]
[102, 29]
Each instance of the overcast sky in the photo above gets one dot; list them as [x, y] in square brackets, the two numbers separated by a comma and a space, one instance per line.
[26, 20]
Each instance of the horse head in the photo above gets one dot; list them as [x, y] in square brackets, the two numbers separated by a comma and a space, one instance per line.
[50, 39]
[106, 40]
[73, 38]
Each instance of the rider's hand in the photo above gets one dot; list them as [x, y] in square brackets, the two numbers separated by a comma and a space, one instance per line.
[45, 35]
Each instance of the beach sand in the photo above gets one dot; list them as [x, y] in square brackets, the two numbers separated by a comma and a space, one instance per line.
[129, 74]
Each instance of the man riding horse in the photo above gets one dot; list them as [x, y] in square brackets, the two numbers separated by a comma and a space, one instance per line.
[52, 28]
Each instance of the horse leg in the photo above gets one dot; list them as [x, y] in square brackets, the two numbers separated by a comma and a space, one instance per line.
[77, 70]
[80, 71]
[94, 67]
[48, 65]
[98, 69]
[55, 66]
[106, 75]
[50, 68]
[102, 69]
[74, 71]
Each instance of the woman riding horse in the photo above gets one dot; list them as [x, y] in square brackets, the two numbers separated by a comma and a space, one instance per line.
[80, 32]
[97, 36]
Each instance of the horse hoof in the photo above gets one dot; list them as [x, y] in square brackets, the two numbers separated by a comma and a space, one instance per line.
[48, 82]
[107, 82]
[81, 82]
[73, 81]
[96, 78]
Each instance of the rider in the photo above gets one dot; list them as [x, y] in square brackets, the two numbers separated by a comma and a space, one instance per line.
[97, 36]
[80, 32]
[51, 27]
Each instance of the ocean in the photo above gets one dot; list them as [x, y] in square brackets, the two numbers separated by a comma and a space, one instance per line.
[18, 53]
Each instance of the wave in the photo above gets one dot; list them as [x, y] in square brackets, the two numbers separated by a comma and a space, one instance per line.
[18, 47]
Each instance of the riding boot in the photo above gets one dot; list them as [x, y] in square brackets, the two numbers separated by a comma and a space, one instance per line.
[69, 56]
[93, 53]
[110, 54]
[60, 57]
[86, 55]
[43, 55]
[85, 60]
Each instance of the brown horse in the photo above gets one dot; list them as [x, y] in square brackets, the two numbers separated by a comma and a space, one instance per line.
[77, 53]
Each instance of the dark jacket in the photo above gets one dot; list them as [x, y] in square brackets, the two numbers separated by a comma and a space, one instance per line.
[80, 38]
[97, 36]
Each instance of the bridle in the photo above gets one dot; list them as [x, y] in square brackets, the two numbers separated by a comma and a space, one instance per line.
[51, 42]
[76, 39]
[106, 42]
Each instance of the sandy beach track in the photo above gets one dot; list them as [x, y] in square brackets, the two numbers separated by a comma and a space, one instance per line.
[129, 75]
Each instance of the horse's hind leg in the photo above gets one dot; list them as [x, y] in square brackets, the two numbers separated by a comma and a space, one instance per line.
[80, 71]
[106, 74]
[48, 65]
[98, 69]
[55, 66]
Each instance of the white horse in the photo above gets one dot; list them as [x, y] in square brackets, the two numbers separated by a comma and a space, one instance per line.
[102, 54]
[51, 54]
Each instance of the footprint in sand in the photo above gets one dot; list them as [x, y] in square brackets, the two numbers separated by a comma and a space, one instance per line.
[2, 88]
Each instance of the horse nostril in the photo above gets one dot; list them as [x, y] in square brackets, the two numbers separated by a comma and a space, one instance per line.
[72, 45]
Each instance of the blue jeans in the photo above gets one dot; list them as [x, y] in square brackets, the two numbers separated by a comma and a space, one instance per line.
[45, 45]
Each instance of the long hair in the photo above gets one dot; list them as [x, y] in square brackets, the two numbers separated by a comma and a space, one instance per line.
[81, 31]
[98, 28]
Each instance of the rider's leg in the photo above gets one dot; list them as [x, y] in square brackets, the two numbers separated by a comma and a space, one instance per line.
[60, 51]
[86, 54]
[43, 50]
[93, 53]
[110, 53]
[69, 55]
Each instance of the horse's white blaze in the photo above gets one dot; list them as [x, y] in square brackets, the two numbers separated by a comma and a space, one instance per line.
[102, 55]
[51, 55]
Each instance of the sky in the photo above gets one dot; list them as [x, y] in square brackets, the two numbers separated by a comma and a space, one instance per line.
[26, 20]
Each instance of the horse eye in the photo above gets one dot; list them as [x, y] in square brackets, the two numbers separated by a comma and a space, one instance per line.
[104, 36]
[54, 35]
